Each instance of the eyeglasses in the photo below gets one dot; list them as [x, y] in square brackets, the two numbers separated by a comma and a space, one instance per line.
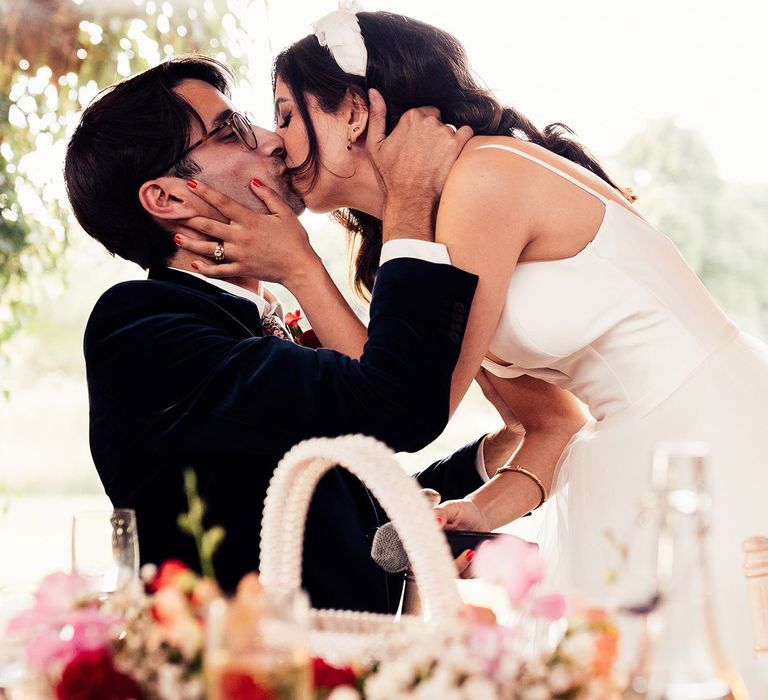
[241, 127]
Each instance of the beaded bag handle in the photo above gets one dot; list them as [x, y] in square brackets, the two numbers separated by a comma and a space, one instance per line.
[288, 499]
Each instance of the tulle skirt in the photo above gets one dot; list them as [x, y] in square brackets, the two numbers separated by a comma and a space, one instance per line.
[604, 475]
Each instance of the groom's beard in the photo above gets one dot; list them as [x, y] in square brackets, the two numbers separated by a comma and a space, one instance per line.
[277, 178]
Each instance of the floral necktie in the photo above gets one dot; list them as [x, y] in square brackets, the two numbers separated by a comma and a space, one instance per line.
[272, 325]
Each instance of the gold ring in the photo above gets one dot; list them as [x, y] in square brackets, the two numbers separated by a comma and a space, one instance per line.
[218, 253]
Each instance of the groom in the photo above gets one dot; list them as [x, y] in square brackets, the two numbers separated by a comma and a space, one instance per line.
[182, 371]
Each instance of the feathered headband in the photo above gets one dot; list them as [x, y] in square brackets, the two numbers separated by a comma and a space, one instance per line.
[339, 31]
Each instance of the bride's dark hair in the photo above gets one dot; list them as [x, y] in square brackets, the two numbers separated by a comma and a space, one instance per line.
[412, 64]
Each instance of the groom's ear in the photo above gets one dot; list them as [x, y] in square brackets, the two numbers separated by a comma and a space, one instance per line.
[167, 199]
[357, 116]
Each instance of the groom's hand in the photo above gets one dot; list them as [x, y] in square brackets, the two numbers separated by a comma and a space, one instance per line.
[412, 163]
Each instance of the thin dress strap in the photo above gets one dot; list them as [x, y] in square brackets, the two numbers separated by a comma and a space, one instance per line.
[552, 168]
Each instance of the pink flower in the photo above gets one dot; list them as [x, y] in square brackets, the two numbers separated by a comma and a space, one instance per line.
[489, 645]
[512, 562]
[55, 597]
[550, 606]
[59, 626]
[204, 592]
[84, 629]
[184, 634]
[170, 604]
[60, 591]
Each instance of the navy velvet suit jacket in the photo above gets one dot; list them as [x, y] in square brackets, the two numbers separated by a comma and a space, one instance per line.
[179, 375]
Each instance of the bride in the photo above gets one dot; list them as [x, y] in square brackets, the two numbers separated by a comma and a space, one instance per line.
[581, 302]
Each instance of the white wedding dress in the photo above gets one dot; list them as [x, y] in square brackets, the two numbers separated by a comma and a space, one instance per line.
[628, 328]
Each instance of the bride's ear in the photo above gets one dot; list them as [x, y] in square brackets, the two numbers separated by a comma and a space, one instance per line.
[167, 199]
[357, 119]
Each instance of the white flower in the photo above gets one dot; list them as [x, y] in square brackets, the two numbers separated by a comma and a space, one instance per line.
[478, 688]
[536, 692]
[402, 671]
[168, 680]
[148, 572]
[344, 692]
[560, 679]
[580, 647]
[507, 669]
[340, 32]
[595, 690]
[387, 682]
[443, 676]
[534, 672]
[455, 656]
[436, 688]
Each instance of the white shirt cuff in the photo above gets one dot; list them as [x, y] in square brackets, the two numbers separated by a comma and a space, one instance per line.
[414, 248]
[480, 461]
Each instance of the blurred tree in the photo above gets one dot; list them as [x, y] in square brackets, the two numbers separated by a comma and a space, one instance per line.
[720, 227]
[55, 56]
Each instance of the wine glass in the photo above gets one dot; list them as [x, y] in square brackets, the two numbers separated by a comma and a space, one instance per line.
[105, 548]
[258, 646]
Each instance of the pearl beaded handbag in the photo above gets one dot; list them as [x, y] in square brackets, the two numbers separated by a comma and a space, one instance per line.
[342, 636]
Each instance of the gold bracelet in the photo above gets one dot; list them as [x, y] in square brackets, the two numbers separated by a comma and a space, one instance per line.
[530, 475]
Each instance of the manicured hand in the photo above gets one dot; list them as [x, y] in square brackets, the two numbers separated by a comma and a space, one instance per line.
[272, 247]
[413, 163]
[461, 514]
[463, 563]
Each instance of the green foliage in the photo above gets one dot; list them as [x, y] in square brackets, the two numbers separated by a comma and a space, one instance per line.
[721, 228]
[191, 522]
[44, 85]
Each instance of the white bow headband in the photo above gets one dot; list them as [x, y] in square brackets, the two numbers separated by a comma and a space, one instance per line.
[339, 31]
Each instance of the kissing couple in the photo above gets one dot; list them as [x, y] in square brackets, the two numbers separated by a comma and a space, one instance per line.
[488, 248]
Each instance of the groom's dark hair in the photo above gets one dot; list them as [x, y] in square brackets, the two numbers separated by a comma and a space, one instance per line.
[124, 138]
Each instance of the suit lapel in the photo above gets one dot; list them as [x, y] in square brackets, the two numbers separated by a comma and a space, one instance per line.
[245, 311]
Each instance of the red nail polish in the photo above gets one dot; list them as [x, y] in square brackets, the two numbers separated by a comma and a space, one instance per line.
[177, 240]
[470, 555]
[195, 266]
[191, 184]
[256, 183]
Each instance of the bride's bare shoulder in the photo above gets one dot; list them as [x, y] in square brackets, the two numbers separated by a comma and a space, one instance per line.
[490, 191]
[490, 155]
[485, 173]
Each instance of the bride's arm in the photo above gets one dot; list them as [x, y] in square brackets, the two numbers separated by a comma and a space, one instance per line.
[488, 214]
[486, 219]
[333, 320]
[551, 417]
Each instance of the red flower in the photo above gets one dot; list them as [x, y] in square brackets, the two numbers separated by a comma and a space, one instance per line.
[327, 676]
[91, 676]
[174, 573]
[238, 685]
[309, 339]
[292, 320]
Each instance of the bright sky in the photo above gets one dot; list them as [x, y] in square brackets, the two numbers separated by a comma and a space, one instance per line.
[604, 67]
